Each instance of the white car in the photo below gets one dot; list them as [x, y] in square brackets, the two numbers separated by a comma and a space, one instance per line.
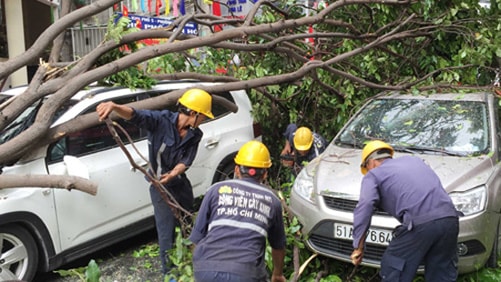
[44, 228]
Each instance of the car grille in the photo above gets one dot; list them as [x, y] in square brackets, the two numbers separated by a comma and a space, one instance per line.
[346, 205]
[336, 247]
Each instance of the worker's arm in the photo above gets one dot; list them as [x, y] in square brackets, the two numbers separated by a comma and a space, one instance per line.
[358, 253]
[277, 256]
[287, 158]
[362, 215]
[177, 170]
[105, 109]
[287, 148]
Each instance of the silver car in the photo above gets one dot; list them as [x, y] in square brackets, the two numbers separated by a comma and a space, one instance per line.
[458, 135]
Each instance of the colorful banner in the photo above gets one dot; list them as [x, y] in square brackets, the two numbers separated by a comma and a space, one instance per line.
[181, 7]
[232, 9]
[145, 22]
[154, 7]
[158, 5]
[238, 7]
[167, 7]
[175, 8]
[143, 6]
[216, 11]
[125, 11]
[134, 6]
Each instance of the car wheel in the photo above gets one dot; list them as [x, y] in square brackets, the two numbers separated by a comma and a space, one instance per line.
[19, 254]
[225, 170]
[492, 261]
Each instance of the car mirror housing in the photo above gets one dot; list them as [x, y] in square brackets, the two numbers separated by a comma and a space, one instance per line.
[75, 167]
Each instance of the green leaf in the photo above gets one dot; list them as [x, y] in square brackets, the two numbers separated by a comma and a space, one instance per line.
[92, 273]
[498, 52]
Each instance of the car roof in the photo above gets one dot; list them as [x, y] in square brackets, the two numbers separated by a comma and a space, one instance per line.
[94, 89]
[480, 96]
[94, 94]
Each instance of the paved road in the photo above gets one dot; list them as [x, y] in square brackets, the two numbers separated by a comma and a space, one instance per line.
[117, 263]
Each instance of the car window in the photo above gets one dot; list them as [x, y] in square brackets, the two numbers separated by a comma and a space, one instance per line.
[219, 110]
[18, 125]
[99, 138]
[454, 126]
[26, 118]
[93, 139]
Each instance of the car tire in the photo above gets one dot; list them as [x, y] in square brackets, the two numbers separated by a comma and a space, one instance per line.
[492, 261]
[22, 264]
[226, 169]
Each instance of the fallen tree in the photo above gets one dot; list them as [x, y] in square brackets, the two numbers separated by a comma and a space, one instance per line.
[328, 59]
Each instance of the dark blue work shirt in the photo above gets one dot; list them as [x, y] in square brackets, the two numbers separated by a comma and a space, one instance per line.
[234, 221]
[404, 187]
[166, 148]
[317, 147]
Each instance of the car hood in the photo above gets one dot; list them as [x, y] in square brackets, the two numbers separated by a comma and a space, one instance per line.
[337, 171]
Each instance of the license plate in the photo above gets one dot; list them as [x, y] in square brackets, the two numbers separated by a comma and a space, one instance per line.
[374, 235]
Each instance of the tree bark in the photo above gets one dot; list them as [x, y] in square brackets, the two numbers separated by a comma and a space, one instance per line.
[48, 181]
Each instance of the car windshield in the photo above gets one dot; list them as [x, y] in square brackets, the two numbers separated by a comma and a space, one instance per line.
[422, 126]
[26, 118]
[23, 121]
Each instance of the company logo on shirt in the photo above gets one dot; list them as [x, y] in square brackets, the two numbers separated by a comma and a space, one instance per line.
[225, 189]
[234, 201]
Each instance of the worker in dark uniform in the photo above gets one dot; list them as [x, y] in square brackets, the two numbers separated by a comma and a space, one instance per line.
[173, 139]
[234, 221]
[301, 146]
[409, 190]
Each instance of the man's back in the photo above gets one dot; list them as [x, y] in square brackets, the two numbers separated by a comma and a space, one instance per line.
[409, 190]
[239, 216]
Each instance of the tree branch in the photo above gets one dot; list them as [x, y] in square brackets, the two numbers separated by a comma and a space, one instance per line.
[48, 181]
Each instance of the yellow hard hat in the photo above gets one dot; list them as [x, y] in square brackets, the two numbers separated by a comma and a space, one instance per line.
[303, 138]
[371, 147]
[197, 100]
[253, 154]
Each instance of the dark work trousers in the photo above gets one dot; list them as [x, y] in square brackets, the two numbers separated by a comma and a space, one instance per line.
[433, 244]
[165, 220]
[217, 276]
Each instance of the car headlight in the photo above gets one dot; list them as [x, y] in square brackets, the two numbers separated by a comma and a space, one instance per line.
[303, 185]
[471, 201]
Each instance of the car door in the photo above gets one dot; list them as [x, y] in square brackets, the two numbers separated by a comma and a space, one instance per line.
[223, 137]
[122, 196]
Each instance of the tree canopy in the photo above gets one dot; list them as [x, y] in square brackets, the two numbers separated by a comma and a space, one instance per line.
[309, 65]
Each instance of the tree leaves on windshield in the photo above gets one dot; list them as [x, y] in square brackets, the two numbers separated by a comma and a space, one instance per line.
[422, 150]
[22, 122]
[452, 127]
